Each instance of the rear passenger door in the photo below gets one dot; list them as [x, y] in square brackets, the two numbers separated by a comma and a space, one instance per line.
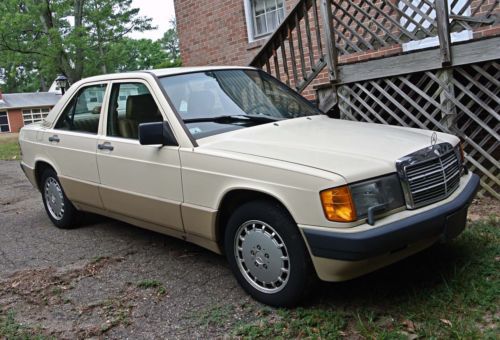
[138, 181]
[72, 145]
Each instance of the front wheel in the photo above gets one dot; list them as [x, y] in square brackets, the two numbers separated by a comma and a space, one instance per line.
[267, 254]
[59, 208]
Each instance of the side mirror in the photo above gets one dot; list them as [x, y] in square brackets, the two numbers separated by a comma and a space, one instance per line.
[156, 133]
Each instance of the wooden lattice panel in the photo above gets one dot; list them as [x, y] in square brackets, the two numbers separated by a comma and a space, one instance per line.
[464, 101]
[477, 97]
[369, 25]
[362, 25]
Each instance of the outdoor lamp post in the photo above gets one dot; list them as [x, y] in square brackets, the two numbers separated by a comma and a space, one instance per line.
[62, 82]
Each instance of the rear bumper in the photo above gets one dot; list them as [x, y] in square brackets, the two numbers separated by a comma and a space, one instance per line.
[446, 221]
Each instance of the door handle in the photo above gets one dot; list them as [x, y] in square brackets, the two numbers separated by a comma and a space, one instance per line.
[105, 146]
[54, 138]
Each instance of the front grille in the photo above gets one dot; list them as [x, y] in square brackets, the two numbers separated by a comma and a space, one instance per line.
[430, 175]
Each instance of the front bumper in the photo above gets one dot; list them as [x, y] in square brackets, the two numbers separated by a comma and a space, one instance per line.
[446, 221]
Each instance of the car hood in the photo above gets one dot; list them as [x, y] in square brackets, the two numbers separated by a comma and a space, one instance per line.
[350, 149]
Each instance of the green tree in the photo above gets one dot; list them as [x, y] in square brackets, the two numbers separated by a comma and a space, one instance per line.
[170, 43]
[72, 37]
[132, 55]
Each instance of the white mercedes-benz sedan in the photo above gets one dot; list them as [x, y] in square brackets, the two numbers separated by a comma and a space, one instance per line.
[233, 160]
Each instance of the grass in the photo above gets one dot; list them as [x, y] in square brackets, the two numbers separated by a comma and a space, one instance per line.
[145, 284]
[449, 291]
[214, 316]
[9, 151]
[10, 329]
[148, 284]
[9, 147]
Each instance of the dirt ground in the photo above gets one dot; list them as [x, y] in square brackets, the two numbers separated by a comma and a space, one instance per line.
[110, 279]
[8, 137]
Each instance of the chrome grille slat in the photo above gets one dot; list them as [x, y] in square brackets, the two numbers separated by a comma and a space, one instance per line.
[422, 169]
[438, 178]
[427, 188]
[430, 174]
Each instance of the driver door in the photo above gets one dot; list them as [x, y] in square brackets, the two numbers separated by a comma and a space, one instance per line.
[138, 181]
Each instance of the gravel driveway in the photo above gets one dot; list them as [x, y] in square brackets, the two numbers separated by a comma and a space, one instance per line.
[107, 278]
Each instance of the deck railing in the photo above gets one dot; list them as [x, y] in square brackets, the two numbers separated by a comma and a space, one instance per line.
[319, 33]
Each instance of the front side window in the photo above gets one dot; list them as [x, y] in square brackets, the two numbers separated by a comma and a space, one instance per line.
[83, 112]
[130, 105]
[218, 101]
[4, 122]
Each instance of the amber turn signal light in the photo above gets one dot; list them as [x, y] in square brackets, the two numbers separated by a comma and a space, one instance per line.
[337, 204]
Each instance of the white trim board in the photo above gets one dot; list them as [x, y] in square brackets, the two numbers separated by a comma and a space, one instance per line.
[434, 41]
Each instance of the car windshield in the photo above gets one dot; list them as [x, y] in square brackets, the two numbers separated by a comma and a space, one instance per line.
[218, 101]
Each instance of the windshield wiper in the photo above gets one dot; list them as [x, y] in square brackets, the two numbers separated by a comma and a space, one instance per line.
[233, 118]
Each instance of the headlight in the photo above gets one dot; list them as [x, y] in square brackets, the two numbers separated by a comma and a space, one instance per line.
[363, 199]
[376, 196]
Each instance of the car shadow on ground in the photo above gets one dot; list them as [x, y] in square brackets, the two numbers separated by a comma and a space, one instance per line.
[123, 229]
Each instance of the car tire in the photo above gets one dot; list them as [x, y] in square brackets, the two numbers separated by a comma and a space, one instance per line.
[59, 208]
[267, 254]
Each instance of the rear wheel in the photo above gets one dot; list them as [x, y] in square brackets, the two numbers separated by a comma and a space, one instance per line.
[267, 254]
[60, 210]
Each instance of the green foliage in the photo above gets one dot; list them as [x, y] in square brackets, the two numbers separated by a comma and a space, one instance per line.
[132, 55]
[78, 38]
[448, 291]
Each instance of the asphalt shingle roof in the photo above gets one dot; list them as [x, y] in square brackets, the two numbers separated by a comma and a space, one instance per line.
[22, 100]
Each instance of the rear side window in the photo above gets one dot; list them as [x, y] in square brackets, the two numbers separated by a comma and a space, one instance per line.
[84, 110]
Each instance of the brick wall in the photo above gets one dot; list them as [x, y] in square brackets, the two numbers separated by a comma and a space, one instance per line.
[15, 119]
[214, 32]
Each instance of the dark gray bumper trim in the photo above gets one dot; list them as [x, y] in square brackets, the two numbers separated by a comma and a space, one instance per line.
[395, 235]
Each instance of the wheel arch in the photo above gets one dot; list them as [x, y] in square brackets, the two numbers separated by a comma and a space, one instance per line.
[40, 166]
[236, 197]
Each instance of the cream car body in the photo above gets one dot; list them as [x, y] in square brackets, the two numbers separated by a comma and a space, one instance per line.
[186, 190]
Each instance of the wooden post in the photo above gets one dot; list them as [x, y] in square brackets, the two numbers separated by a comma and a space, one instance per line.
[331, 50]
[443, 25]
[448, 109]
[344, 108]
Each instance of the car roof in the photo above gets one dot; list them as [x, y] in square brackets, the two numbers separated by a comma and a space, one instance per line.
[165, 72]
